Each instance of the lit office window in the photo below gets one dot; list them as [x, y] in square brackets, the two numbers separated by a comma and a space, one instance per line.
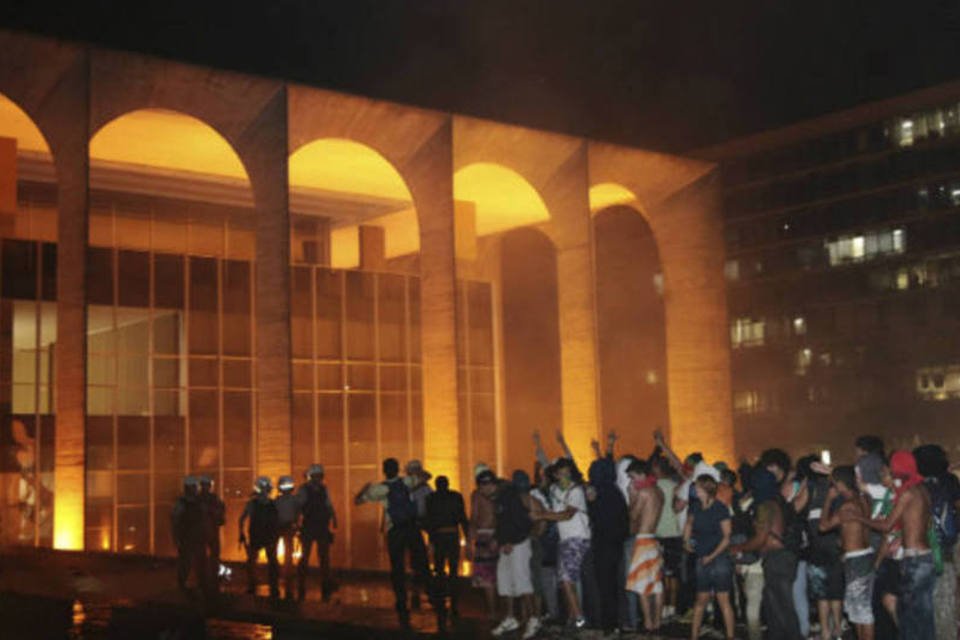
[799, 326]
[731, 270]
[804, 361]
[750, 402]
[746, 332]
[939, 383]
[866, 246]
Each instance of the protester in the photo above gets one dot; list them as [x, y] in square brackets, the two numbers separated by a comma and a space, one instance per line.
[403, 538]
[707, 536]
[669, 534]
[858, 555]
[545, 545]
[825, 569]
[610, 526]
[645, 573]
[481, 543]
[512, 534]
[445, 519]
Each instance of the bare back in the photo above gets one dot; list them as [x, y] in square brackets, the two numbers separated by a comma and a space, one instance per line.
[482, 513]
[853, 532]
[916, 518]
[645, 507]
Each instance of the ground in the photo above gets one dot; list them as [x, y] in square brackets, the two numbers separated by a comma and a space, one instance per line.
[84, 596]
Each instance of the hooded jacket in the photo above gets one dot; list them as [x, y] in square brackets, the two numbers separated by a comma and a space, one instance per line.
[609, 520]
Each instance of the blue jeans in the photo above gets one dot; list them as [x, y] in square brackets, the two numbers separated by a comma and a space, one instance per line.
[915, 606]
[800, 601]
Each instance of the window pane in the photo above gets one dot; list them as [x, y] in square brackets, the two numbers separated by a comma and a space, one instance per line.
[363, 429]
[133, 488]
[360, 337]
[133, 274]
[133, 530]
[166, 333]
[168, 281]
[237, 428]
[329, 377]
[393, 424]
[302, 432]
[236, 308]
[204, 435]
[99, 442]
[168, 444]
[301, 312]
[391, 313]
[133, 442]
[204, 330]
[99, 275]
[204, 372]
[328, 307]
[20, 270]
[237, 373]
[330, 427]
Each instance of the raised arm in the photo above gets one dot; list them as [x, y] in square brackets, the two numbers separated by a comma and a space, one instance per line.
[540, 453]
[886, 525]
[675, 461]
[563, 445]
[611, 443]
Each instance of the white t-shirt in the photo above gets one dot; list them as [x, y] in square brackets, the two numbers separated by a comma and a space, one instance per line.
[579, 525]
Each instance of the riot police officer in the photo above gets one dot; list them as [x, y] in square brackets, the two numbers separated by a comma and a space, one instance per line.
[289, 505]
[188, 536]
[215, 512]
[318, 515]
[262, 534]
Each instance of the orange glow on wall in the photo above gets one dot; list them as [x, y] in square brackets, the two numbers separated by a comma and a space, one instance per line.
[503, 198]
[169, 140]
[609, 194]
[68, 526]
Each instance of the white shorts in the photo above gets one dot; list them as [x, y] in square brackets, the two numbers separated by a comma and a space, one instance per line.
[513, 571]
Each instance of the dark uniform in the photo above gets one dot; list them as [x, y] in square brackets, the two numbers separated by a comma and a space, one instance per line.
[215, 513]
[318, 513]
[445, 518]
[188, 536]
[262, 534]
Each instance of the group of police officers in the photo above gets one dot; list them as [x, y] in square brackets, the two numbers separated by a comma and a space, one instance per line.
[307, 514]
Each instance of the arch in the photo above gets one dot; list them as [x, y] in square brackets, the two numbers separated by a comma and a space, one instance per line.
[368, 188]
[503, 199]
[531, 340]
[608, 194]
[631, 326]
[15, 123]
[167, 140]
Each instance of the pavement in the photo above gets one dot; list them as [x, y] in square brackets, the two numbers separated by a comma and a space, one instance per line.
[89, 596]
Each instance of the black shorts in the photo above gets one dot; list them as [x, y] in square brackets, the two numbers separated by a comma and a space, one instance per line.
[826, 580]
[888, 577]
[672, 551]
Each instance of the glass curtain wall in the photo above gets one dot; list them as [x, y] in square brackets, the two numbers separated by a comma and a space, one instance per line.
[170, 364]
[28, 332]
[357, 389]
[477, 384]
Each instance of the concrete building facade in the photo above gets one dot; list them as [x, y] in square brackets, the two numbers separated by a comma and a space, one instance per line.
[209, 272]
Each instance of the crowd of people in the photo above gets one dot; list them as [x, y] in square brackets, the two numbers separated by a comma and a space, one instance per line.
[304, 516]
[789, 549]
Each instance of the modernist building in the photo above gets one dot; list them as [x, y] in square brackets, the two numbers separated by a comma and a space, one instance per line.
[843, 246]
[207, 272]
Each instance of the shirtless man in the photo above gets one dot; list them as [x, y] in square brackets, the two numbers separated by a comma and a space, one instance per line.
[645, 575]
[911, 512]
[858, 556]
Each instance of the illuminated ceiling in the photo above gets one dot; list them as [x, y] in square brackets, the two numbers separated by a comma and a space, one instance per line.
[163, 139]
[14, 123]
[335, 164]
[503, 198]
[609, 194]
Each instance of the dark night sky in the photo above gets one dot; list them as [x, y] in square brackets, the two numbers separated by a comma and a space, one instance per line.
[666, 74]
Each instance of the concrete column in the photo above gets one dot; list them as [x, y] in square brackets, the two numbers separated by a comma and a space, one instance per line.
[264, 149]
[567, 198]
[373, 250]
[67, 109]
[687, 229]
[430, 176]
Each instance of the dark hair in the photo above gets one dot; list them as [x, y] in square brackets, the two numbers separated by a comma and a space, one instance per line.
[663, 465]
[931, 460]
[391, 468]
[775, 457]
[846, 475]
[729, 476]
[694, 458]
[869, 444]
[708, 484]
[639, 466]
[443, 483]
[805, 467]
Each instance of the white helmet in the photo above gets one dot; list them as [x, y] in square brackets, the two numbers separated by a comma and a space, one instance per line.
[263, 485]
[285, 483]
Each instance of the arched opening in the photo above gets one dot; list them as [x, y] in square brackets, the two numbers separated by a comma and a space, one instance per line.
[170, 339]
[495, 206]
[355, 318]
[630, 326]
[531, 342]
[28, 327]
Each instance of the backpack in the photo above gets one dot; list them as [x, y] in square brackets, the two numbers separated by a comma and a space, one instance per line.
[401, 509]
[944, 514]
[316, 510]
[264, 521]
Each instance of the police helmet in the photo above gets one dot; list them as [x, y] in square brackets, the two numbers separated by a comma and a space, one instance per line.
[315, 470]
[285, 483]
[205, 481]
[263, 485]
[191, 481]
